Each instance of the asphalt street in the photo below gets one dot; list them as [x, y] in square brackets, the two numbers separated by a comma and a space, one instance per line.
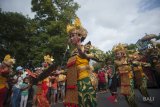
[142, 102]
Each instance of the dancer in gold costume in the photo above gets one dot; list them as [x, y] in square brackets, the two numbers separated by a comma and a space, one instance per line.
[79, 90]
[125, 72]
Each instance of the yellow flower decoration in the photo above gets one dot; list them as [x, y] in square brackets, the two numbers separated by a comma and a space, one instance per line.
[48, 59]
[7, 57]
[8, 60]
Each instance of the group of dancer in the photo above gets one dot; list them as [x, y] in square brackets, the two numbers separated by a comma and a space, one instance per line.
[80, 81]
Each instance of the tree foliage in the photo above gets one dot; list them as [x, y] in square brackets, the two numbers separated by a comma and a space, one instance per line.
[14, 36]
[52, 17]
[30, 39]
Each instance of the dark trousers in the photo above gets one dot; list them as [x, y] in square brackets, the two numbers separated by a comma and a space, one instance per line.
[16, 97]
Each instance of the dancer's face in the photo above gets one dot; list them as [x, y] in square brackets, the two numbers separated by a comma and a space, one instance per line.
[75, 37]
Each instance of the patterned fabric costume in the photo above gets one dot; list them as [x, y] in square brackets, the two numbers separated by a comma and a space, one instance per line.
[40, 98]
[5, 69]
[79, 87]
[124, 70]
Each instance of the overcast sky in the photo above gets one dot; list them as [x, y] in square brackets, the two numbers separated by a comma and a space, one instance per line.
[108, 21]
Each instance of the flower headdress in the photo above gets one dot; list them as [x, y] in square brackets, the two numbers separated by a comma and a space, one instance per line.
[77, 26]
[8, 60]
[48, 59]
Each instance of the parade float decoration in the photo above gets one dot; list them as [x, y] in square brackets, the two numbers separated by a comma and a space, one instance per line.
[149, 47]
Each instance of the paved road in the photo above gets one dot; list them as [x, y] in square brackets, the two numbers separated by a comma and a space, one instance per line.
[103, 102]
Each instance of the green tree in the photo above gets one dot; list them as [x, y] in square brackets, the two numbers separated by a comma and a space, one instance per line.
[52, 17]
[110, 56]
[14, 36]
[131, 46]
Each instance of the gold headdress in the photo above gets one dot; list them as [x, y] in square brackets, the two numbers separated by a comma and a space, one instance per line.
[119, 47]
[8, 60]
[48, 59]
[77, 26]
